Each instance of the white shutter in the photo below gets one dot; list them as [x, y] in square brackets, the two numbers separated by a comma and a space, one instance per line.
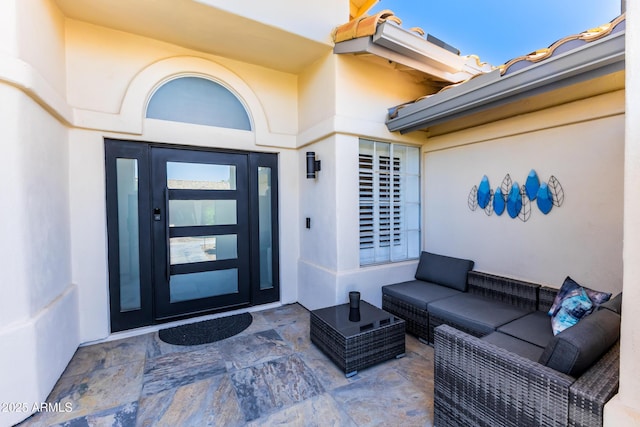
[366, 202]
[384, 231]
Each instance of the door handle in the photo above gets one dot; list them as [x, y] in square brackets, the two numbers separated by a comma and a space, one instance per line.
[156, 214]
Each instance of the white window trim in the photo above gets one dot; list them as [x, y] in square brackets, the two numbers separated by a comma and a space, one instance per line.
[389, 218]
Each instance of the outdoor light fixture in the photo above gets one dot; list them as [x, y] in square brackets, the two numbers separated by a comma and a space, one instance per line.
[313, 165]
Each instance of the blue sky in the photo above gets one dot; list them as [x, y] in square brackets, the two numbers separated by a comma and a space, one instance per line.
[499, 30]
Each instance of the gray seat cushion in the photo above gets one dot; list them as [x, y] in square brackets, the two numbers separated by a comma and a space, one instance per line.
[475, 313]
[515, 345]
[534, 328]
[418, 292]
[575, 349]
[444, 270]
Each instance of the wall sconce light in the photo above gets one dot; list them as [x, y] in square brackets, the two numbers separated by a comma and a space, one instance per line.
[313, 165]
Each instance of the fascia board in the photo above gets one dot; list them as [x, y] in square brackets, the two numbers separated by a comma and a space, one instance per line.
[398, 40]
[595, 58]
[365, 45]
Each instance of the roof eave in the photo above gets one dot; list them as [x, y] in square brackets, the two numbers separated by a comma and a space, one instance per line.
[491, 90]
[403, 47]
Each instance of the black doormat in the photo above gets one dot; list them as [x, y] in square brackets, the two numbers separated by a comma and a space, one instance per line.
[207, 331]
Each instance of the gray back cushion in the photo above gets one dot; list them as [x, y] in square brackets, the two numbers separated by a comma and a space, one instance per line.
[575, 349]
[614, 304]
[444, 270]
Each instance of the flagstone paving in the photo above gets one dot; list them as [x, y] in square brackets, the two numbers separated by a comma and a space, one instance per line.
[268, 375]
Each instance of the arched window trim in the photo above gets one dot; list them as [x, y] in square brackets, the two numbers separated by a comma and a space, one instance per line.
[212, 79]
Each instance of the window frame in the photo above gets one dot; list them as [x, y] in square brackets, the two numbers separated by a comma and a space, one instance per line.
[389, 202]
[198, 100]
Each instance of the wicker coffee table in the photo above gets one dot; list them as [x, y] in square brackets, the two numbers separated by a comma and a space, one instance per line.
[355, 344]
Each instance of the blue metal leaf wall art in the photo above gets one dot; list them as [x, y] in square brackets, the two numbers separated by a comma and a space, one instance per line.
[525, 211]
[515, 199]
[506, 186]
[489, 208]
[499, 201]
[484, 192]
[556, 191]
[545, 199]
[532, 184]
[472, 199]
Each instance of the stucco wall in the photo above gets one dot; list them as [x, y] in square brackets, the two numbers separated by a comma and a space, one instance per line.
[366, 89]
[624, 409]
[344, 94]
[38, 308]
[343, 99]
[42, 49]
[583, 147]
[313, 20]
[317, 98]
[8, 32]
[102, 64]
[330, 249]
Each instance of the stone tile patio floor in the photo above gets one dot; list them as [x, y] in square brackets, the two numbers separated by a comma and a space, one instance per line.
[270, 374]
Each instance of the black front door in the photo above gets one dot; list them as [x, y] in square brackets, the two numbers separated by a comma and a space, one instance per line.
[201, 251]
[190, 231]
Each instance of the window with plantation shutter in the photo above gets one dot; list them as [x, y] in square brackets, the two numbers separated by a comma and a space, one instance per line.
[389, 178]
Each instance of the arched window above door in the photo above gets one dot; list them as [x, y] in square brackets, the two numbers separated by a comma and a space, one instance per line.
[198, 101]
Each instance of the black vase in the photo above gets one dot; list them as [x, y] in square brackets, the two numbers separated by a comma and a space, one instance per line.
[354, 300]
[354, 306]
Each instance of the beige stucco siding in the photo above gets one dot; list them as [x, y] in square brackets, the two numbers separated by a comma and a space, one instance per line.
[582, 146]
[102, 64]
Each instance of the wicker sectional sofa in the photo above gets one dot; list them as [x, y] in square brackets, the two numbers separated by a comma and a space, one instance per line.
[497, 362]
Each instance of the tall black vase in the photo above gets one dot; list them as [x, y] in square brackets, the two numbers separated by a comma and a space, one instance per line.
[354, 306]
[354, 299]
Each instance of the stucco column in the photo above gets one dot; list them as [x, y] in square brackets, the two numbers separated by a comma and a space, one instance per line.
[624, 409]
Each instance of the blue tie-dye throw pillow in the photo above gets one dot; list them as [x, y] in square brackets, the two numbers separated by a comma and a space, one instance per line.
[573, 307]
[570, 286]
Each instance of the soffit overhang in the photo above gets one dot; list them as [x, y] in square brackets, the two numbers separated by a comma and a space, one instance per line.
[519, 79]
[204, 28]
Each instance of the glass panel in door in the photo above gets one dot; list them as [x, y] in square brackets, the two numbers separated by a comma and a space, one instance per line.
[265, 228]
[199, 176]
[201, 232]
[185, 287]
[128, 233]
[185, 213]
[184, 250]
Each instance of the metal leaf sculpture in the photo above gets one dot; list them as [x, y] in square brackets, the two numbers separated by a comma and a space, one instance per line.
[544, 199]
[499, 201]
[532, 184]
[484, 192]
[489, 208]
[506, 186]
[472, 200]
[525, 212]
[514, 201]
[557, 192]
